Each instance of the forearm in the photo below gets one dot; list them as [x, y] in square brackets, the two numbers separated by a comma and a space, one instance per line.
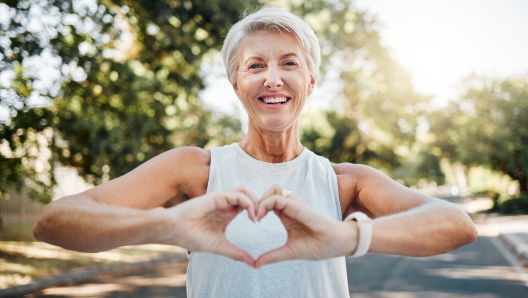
[82, 224]
[433, 228]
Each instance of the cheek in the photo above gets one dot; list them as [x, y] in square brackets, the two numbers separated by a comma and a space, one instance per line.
[303, 77]
[246, 80]
[242, 81]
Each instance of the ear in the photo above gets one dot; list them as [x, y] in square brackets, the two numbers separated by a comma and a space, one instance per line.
[234, 85]
[311, 86]
[235, 88]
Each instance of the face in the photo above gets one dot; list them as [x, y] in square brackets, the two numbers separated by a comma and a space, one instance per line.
[273, 79]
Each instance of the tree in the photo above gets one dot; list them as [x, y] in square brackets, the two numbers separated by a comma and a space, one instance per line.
[124, 89]
[487, 126]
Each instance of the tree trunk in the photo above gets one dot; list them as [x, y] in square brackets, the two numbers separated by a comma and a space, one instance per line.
[523, 184]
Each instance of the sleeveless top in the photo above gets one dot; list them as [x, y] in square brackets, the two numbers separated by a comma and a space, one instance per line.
[312, 179]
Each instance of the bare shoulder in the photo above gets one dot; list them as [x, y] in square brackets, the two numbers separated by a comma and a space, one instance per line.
[193, 163]
[347, 182]
[358, 174]
[352, 176]
[351, 169]
[164, 180]
[187, 156]
[364, 188]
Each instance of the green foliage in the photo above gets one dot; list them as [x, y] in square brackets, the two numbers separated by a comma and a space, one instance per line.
[10, 171]
[333, 135]
[28, 138]
[487, 126]
[420, 164]
[128, 87]
[429, 166]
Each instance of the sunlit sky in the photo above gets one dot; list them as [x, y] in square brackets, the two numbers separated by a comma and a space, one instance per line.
[439, 42]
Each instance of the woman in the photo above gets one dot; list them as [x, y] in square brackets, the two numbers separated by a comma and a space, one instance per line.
[221, 199]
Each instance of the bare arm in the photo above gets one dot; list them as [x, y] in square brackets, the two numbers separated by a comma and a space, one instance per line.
[123, 211]
[405, 222]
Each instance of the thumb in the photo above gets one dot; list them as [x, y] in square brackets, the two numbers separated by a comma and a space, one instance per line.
[280, 254]
[236, 253]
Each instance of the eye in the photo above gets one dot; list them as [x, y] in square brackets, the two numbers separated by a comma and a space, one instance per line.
[290, 63]
[254, 66]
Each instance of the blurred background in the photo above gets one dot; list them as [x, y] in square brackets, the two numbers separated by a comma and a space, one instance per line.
[433, 93]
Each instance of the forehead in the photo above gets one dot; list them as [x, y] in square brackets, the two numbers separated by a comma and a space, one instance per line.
[268, 45]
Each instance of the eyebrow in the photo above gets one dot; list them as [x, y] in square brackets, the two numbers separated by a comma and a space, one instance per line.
[281, 57]
[289, 54]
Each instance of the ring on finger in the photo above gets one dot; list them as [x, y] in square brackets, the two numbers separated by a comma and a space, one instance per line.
[286, 192]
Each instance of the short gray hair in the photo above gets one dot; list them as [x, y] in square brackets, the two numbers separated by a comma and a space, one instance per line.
[269, 19]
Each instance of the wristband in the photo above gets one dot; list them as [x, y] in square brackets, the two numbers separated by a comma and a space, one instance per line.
[365, 232]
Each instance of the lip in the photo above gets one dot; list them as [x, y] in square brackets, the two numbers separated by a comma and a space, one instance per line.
[274, 95]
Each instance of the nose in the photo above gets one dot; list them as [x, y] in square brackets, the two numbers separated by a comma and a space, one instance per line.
[273, 78]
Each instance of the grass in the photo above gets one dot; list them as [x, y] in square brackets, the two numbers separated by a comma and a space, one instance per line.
[23, 258]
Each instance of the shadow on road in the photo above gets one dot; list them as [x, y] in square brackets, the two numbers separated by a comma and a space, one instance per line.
[160, 280]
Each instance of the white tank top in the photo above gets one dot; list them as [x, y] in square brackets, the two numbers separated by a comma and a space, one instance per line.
[312, 179]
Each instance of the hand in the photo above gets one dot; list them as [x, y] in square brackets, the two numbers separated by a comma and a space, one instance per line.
[201, 222]
[312, 235]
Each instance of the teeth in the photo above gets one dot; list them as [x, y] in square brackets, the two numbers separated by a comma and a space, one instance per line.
[275, 100]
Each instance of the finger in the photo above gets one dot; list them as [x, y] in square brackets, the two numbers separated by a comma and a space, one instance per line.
[275, 202]
[277, 189]
[245, 189]
[236, 253]
[295, 209]
[232, 199]
[280, 254]
[274, 190]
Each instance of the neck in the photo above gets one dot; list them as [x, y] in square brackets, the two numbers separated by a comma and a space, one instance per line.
[272, 147]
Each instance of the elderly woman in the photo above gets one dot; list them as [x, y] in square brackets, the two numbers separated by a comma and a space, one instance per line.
[217, 203]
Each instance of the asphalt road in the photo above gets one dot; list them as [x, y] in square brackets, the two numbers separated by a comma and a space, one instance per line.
[476, 270]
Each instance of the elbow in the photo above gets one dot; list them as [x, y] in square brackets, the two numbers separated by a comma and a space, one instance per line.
[466, 230]
[472, 233]
[37, 231]
[43, 230]
[462, 230]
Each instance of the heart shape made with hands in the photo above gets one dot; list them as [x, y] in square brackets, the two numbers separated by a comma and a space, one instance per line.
[256, 238]
[294, 230]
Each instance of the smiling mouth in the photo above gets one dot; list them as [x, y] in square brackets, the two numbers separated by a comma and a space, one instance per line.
[274, 100]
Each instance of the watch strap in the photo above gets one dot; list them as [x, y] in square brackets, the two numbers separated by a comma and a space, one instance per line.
[365, 232]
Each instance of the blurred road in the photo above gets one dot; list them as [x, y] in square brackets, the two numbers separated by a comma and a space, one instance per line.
[476, 270]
